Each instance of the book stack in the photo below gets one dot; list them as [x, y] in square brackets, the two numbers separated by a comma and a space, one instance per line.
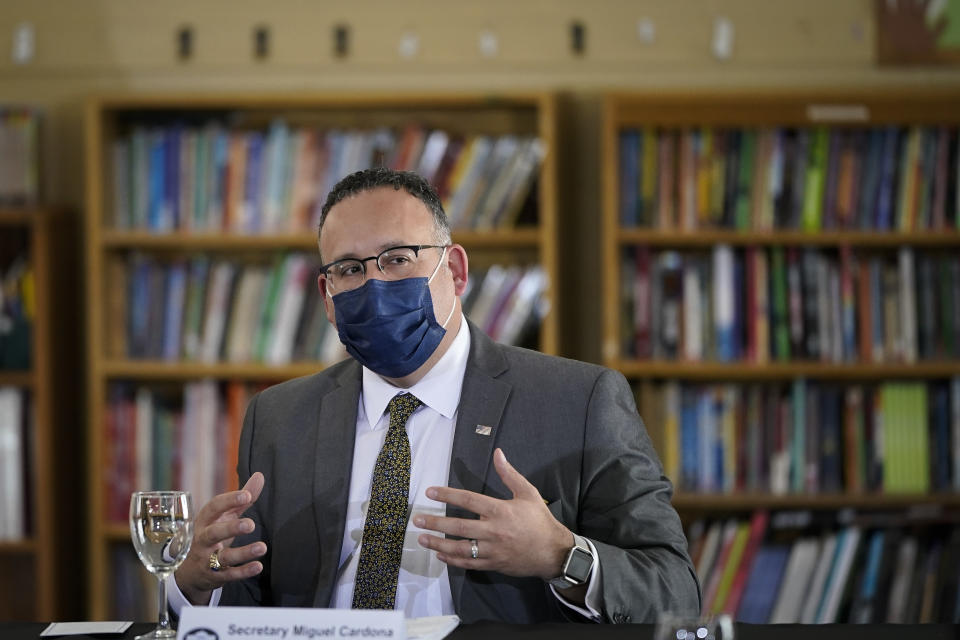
[809, 568]
[212, 178]
[220, 310]
[213, 310]
[507, 303]
[807, 437]
[811, 179]
[19, 156]
[14, 469]
[162, 438]
[17, 313]
[790, 304]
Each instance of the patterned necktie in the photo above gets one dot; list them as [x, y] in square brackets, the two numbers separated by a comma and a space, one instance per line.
[382, 546]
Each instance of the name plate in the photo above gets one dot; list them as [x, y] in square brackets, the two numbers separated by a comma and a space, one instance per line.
[275, 623]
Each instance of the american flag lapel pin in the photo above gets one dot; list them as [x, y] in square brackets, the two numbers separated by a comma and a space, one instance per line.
[484, 430]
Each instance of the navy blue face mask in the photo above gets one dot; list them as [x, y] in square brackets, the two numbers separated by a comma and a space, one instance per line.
[388, 326]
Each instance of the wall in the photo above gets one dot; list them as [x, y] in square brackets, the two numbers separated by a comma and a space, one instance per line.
[85, 47]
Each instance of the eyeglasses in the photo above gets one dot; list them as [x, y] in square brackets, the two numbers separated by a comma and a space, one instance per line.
[395, 263]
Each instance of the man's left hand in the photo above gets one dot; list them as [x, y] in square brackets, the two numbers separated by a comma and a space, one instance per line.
[518, 537]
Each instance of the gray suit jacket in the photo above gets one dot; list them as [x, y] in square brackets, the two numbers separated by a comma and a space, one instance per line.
[570, 428]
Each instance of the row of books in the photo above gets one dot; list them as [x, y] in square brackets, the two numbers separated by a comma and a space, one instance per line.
[160, 438]
[806, 437]
[19, 156]
[15, 445]
[133, 589]
[214, 178]
[17, 313]
[187, 437]
[798, 567]
[758, 305]
[879, 178]
[212, 310]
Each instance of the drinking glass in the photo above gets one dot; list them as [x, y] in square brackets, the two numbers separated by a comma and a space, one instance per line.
[161, 526]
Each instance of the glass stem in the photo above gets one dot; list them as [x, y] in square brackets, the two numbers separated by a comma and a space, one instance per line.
[164, 623]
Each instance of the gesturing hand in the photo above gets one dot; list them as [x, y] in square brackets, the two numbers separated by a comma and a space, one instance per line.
[216, 526]
[518, 537]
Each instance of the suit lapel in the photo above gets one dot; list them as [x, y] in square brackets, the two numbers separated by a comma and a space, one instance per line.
[333, 461]
[482, 401]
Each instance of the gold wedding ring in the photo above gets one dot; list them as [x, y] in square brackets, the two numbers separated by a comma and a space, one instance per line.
[474, 549]
[215, 561]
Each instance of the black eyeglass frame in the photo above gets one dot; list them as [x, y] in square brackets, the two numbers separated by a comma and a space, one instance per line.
[416, 248]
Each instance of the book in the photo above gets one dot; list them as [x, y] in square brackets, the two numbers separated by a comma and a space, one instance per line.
[847, 545]
[216, 310]
[816, 587]
[766, 581]
[711, 584]
[797, 575]
[13, 457]
[279, 347]
[723, 302]
[245, 313]
[757, 531]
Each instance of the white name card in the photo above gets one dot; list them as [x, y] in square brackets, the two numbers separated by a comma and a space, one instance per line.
[274, 623]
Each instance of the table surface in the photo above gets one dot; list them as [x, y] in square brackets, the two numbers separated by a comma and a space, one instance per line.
[498, 631]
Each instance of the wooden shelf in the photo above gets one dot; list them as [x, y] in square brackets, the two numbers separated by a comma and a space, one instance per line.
[14, 217]
[315, 101]
[749, 501]
[783, 371]
[17, 378]
[158, 370]
[18, 547]
[707, 238]
[126, 240]
[116, 532]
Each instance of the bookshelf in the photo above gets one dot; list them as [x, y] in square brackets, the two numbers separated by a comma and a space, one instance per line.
[692, 229]
[775, 232]
[112, 242]
[28, 561]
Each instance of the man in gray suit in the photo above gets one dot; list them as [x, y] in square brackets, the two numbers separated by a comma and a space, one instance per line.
[577, 525]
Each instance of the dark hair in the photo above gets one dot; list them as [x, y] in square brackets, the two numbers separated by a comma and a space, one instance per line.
[369, 179]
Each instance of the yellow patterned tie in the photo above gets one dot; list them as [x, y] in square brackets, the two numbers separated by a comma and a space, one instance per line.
[382, 546]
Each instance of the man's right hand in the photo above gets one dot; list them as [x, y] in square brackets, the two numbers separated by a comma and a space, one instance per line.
[214, 530]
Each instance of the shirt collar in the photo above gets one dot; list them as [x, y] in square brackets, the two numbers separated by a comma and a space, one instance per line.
[439, 389]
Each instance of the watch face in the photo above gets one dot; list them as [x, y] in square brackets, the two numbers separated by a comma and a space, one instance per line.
[578, 565]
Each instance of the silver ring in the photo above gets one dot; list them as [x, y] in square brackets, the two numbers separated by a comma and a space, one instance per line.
[474, 549]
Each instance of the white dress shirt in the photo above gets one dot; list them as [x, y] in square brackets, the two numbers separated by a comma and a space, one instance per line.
[423, 586]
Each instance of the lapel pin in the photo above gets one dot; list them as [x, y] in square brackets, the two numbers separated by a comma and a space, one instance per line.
[484, 430]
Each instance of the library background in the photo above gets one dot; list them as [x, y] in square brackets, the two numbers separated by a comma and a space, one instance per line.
[750, 209]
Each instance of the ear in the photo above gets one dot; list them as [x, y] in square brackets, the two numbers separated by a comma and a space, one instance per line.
[327, 300]
[458, 265]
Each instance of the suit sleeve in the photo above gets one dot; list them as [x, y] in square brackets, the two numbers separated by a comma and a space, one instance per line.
[625, 510]
[251, 591]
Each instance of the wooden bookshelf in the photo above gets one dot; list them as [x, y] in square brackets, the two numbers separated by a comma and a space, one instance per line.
[25, 379]
[707, 371]
[28, 566]
[109, 116]
[713, 503]
[756, 110]
[154, 370]
[116, 240]
[707, 238]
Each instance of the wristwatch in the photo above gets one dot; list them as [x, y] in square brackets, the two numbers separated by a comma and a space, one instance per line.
[577, 566]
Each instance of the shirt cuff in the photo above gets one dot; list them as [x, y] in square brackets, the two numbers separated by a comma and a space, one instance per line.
[177, 601]
[594, 598]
